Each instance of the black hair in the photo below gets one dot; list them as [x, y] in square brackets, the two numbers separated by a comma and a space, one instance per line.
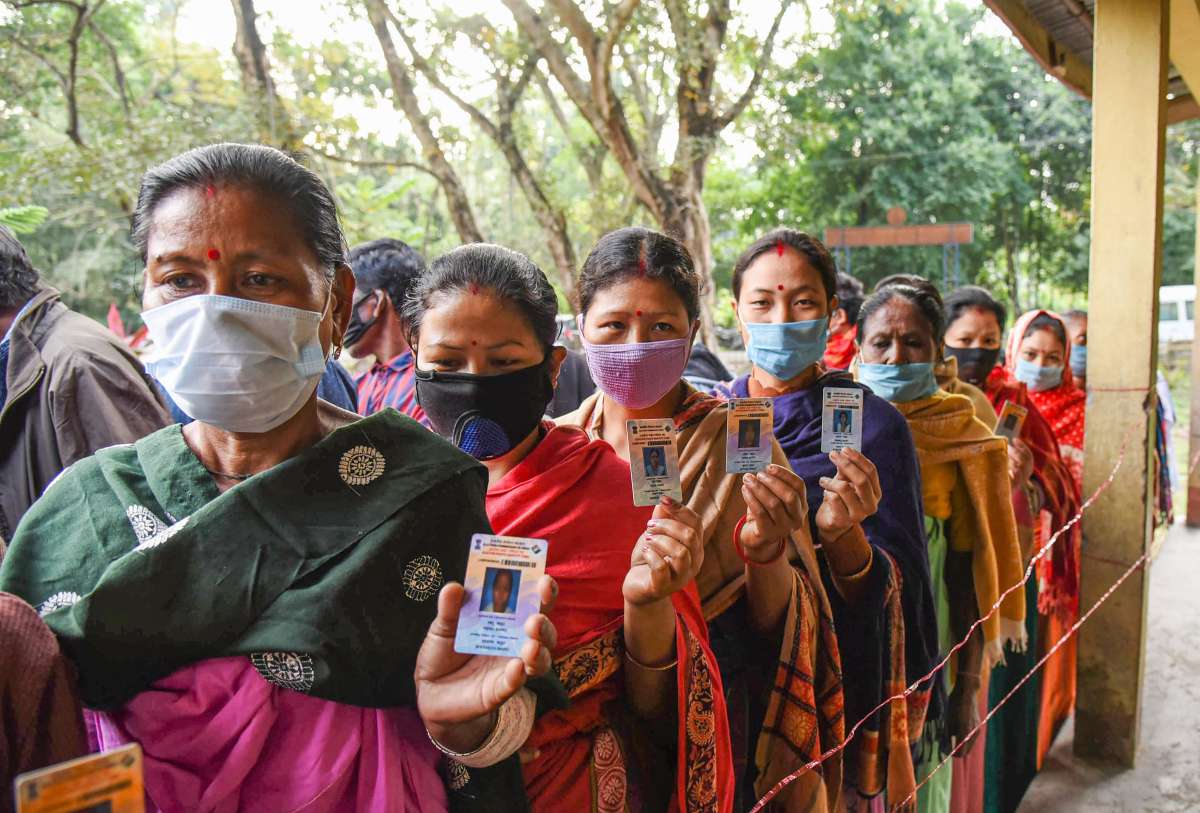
[809, 247]
[638, 251]
[850, 294]
[386, 265]
[972, 296]
[18, 277]
[512, 276]
[925, 296]
[1044, 321]
[264, 169]
[1074, 315]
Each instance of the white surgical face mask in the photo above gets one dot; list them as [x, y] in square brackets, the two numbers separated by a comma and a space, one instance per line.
[237, 364]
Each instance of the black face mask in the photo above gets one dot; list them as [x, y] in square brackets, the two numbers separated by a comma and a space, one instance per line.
[485, 415]
[974, 363]
[357, 327]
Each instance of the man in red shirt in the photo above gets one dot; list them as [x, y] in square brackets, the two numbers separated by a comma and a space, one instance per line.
[384, 270]
[843, 323]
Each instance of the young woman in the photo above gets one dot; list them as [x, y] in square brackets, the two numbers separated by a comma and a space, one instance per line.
[783, 285]
[257, 598]
[969, 524]
[1044, 502]
[646, 728]
[760, 583]
[1038, 356]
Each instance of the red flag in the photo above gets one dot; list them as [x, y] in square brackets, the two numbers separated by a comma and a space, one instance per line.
[114, 320]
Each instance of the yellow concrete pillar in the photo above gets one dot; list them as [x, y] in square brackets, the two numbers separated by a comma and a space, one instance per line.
[1128, 131]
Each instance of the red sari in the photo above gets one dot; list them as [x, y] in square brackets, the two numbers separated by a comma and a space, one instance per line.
[596, 756]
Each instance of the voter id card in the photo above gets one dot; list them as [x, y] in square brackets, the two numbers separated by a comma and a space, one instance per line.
[1012, 418]
[110, 782]
[653, 461]
[501, 585]
[748, 434]
[841, 419]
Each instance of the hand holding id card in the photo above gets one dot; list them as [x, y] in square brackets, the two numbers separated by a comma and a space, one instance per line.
[1012, 418]
[748, 435]
[501, 584]
[653, 461]
[841, 419]
[110, 782]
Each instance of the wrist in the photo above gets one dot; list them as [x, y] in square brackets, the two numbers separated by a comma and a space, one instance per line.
[756, 556]
[465, 736]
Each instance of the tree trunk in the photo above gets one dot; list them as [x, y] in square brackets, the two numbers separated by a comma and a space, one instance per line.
[687, 221]
[406, 101]
[255, 68]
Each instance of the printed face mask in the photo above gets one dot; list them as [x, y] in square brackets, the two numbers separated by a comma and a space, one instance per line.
[636, 375]
[1036, 377]
[899, 383]
[974, 363]
[485, 415]
[358, 326]
[786, 349]
[1079, 360]
[237, 364]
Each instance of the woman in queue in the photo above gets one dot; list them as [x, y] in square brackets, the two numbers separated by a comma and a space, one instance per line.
[970, 528]
[760, 584]
[260, 599]
[646, 729]
[1045, 499]
[1038, 355]
[784, 288]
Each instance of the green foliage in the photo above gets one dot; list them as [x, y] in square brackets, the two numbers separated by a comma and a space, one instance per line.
[23, 219]
[912, 104]
[906, 103]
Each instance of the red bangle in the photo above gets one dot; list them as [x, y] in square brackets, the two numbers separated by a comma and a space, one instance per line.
[737, 546]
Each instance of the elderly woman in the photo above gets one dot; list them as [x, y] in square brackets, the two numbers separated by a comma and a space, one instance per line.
[966, 492]
[246, 597]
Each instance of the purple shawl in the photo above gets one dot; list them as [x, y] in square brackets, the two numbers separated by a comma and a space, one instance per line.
[898, 528]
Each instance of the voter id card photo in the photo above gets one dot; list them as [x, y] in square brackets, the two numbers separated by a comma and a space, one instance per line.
[748, 435]
[1012, 418]
[653, 461]
[501, 585]
[841, 419]
[110, 782]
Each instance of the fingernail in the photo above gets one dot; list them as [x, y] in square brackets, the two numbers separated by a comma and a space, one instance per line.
[823, 480]
[747, 479]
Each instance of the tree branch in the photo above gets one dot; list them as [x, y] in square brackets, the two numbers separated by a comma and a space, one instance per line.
[114, 57]
[376, 163]
[720, 122]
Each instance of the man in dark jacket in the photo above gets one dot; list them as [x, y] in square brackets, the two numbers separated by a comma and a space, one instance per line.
[68, 387]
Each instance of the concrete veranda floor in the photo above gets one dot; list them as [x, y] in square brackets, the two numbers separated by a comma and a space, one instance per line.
[1167, 776]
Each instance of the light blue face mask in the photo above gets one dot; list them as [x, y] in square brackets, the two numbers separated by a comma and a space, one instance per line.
[1037, 377]
[1079, 360]
[899, 383]
[786, 349]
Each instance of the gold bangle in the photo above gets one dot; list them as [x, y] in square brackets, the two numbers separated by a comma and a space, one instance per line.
[641, 665]
[859, 574]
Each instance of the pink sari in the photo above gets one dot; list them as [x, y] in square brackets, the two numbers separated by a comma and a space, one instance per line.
[218, 738]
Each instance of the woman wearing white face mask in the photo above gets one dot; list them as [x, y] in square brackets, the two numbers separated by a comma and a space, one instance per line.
[249, 597]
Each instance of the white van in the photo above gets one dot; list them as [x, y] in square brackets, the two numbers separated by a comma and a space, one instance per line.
[1176, 313]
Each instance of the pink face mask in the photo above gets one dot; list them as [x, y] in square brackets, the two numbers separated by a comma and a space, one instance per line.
[637, 375]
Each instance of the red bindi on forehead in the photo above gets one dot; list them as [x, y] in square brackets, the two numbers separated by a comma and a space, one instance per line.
[639, 313]
[780, 287]
[213, 254]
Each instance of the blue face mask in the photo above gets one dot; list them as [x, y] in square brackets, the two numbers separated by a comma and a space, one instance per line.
[899, 383]
[1079, 360]
[1037, 377]
[786, 349]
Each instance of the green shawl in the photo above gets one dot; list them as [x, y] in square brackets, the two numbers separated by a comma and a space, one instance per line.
[324, 569]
